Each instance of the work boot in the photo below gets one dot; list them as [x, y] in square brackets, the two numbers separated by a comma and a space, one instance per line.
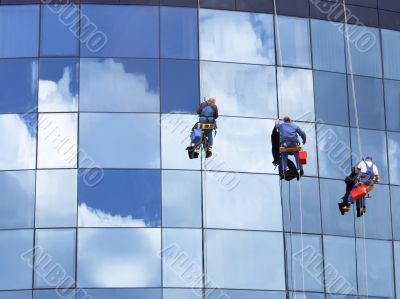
[341, 208]
[209, 152]
[358, 212]
[363, 211]
[301, 172]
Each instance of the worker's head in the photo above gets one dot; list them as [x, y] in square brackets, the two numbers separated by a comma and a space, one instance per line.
[212, 100]
[368, 158]
[287, 119]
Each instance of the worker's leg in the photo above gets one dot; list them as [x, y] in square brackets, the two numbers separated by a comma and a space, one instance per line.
[285, 161]
[296, 157]
[210, 137]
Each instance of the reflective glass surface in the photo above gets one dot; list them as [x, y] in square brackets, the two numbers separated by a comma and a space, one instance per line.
[18, 134]
[232, 252]
[114, 293]
[59, 30]
[364, 44]
[178, 32]
[241, 90]
[60, 245]
[331, 105]
[57, 140]
[56, 199]
[236, 37]
[392, 104]
[58, 85]
[296, 85]
[252, 203]
[17, 199]
[396, 246]
[182, 294]
[181, 198]
[119, 85]
[176, 242]
[126, 258]
[294, 38]
[19, 27]
[368, 93]
[18, 85]
[123, 198]
[179, 86]
[393, 140]
[391, 48]
[110, 140]
[133, 33]
[327, 46]
[16, 294]
[16, 259]
[395, 197]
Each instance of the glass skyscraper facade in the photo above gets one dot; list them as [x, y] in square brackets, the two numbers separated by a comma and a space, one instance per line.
[98, 198]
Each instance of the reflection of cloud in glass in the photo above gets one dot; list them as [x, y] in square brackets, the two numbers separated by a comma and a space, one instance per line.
[58, 144]
[236, 36]
[296, 94]
[91, 217]
[241, 90]
[58, 96]
[18, 144]
[107, 85]
[119, 258]
[394, 160]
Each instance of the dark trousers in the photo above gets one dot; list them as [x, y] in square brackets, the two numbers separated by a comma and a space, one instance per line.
[285, 156]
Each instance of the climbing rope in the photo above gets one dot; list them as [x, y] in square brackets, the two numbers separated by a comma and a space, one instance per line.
[293, 270]
[357, 119]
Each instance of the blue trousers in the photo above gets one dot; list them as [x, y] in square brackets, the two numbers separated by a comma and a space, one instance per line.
[285, 156]
[210, 137]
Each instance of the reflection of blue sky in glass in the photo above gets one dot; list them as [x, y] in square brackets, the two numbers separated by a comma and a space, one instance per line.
[17, 199]
[58, 85]
[241, 90]
[119, 257]
[392, 104]
[114, 293]
[125, 198]
[236, 36]
[119, 85]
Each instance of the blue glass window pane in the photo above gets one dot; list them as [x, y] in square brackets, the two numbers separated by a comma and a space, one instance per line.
[294, 40]
[364, 43]
[395, 196]
[397, 265]
[242, 205]
[373, 144]
[119, 140]
[240, 89]
[333, 249]
[378, 207]
[125, 198]
[18, 85]
[304, 255]
[392, 103]
[183, 294]
[237, 259]
[334, 151]
[175, 243]
[247, 294]
[132, 33]
[18, 135]
[179, 86]
[375, 279]
[119, 85]
[56, 202]
[51, 294]
[60, 245]
[126, 258]
[119, 293]
[19, 31]
[178, 32]
[16, 272]
[296, 85]
[328, 46]
[17, 199]
[58, 85]
[16, 295]
[304, 200]
[331, 104]
[391, 49]
[369, 93]
[236, 37]
[60, 30]
[394, 162]
[175, 131]
[333, 222]
[58, 140]
[181, 198]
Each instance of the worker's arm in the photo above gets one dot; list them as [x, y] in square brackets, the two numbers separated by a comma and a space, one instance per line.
[377, 178]
[215, 109]
[277, 122]
[200, 109]
[302, 134]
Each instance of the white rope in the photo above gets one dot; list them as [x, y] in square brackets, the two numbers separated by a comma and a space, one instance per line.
[346, 33]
